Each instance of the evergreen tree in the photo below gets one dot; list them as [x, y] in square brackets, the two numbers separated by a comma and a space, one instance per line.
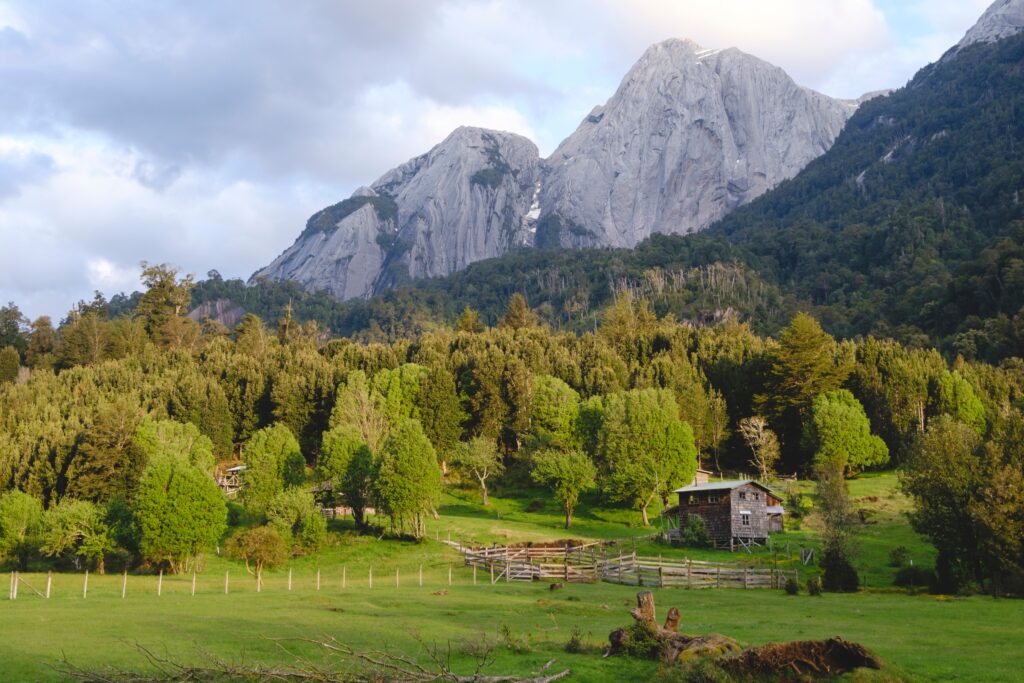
[469, 321]
[440, 411]
[517, 314]
[296, 517]
[107, 460]
[273, 463]
[408, 480]
[554, 414]
[166, 297]
[10, 363]
[41, 352]
[180, 512]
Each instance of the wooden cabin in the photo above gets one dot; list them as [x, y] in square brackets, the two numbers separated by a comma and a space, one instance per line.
[739, 512]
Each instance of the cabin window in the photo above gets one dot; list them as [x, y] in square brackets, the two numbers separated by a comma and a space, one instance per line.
[745, 519]
[691, 500]
[757, 496]
[743, 495]
[712, 499]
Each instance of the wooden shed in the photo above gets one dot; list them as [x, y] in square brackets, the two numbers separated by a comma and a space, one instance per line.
[739, 512]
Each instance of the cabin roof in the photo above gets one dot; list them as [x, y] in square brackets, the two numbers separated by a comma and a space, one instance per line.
[724, 486]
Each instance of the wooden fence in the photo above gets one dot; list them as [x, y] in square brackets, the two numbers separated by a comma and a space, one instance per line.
[591, 564]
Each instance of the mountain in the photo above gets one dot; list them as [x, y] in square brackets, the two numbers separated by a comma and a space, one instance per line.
[689, 135]
[1004, 18]
[467, 199]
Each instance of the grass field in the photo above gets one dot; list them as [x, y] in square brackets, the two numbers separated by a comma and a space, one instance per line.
[932, 638]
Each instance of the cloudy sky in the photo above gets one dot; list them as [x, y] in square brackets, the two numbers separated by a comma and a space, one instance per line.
[203, 134]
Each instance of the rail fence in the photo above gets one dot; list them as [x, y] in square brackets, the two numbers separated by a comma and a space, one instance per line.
[589, 563]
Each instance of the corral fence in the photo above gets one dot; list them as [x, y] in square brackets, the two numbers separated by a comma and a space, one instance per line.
[590, 563]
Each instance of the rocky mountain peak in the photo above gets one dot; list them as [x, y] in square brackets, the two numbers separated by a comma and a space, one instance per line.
[690, 134]
[1003, 18]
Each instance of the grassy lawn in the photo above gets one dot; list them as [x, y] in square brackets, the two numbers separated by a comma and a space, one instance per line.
[935, 638]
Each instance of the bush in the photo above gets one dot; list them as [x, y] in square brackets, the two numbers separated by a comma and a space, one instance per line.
[898, 556]
[916, 577]
[792, 587]
[695, 533]
[814, 586]
[642, 641]
[703, 670]
[575, 644]
[840, 574]
[258, 547]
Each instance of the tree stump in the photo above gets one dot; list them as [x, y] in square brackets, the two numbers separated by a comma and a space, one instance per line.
[646, 638]
[672, 620]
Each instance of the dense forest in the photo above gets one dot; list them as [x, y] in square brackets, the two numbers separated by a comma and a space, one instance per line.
[113, 423]
[910, 228]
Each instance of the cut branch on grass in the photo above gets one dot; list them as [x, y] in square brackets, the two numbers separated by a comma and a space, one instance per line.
[344, 664]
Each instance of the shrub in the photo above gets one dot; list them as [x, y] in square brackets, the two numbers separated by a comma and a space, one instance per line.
[258, 547]
[575, 644]
[898, 556]
[814, 586]
[840, 574]
[520, 645]
[642, 641]
[694, 533]
[703, 670]
[916, 577]
[792, 587]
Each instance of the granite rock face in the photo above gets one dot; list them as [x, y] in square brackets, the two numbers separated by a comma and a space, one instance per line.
[689, 135]
[1003, 18]
[467, 199]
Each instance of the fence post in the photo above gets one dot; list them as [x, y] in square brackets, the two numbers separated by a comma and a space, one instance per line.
[492, 572]
[449, 573]
[85, 586]
[474, 574]
[396, 577]
[193, 582]
[661, 574]
[49, 583]
[289, 578]
[225, 582]
[421, 576]
[718, 578]
[744, 578]
[124, 584]
[344, 577]
[318, 578]
[689, 578]
[14, 586]
[371, 577]
[160, 584]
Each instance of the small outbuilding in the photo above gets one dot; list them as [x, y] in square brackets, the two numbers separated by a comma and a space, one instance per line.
[737, 512]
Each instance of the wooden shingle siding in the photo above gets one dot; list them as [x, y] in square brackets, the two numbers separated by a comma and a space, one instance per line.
[755, 502]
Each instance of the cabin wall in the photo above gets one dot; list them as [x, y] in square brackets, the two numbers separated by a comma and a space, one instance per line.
[752, 499]
[717, 516]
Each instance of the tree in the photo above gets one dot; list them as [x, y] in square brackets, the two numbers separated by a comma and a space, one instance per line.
[480, 458]
[354, 405]
[258, 547]
[763, 445]
[951, 394]
[337, 449]
[838, 431]
[441, 411]
[77, 528]
[568, 474]
[555, 409]
[942, 475]
[469, 321]
[166, 297]
[10, 363]
[296, 517]
[357, 483]
[408, 479]
[20, 519]
[181, 439]
[12, 327]
[517, 314]
[806, 364]
[834, 507]
[273, 463]
[42, 344]
[180, 512]
[647, 450]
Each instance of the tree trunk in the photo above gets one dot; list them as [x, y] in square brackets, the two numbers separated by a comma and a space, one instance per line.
[643, 514]
[568, 517]
[483, 488]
